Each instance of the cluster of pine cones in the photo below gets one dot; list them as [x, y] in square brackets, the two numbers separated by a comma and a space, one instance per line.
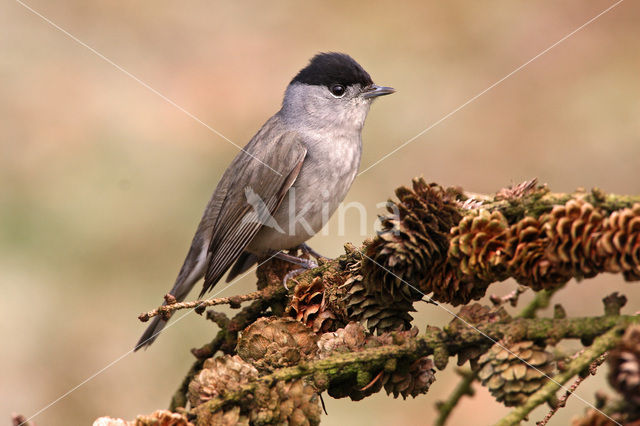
[431, 244]
[272, 343]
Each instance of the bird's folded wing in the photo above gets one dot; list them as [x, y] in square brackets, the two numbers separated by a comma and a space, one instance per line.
[253, 194]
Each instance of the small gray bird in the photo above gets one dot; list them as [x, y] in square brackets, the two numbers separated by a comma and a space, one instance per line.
[269, 199]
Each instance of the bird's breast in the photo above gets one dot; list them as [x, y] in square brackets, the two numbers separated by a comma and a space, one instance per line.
[329, 168]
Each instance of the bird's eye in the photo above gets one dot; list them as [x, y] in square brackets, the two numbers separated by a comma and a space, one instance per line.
[337, 90]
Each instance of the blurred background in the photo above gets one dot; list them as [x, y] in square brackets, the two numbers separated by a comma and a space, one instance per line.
[102, 182]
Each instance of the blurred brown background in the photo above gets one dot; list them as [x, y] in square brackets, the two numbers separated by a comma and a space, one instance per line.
[102, 182]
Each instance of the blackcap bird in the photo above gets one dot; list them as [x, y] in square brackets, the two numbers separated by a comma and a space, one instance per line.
[269, 198]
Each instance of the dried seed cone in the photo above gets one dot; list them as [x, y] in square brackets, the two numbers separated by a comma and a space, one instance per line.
[504, 370]
[619, 244]
[229, 417]
[365, 307]
[475, 314]
[411, 380]
[218, 376]
[348, 339]
[593, 418]
[163, 418]
[157, 418]
[478, 243]
[527, 253]
[573, 231]
[624, 363]
[287, 403]
[412, 244]
[477, 251]
[275, 342]
[309, 306]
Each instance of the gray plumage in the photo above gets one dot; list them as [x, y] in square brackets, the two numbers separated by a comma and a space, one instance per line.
[312, 144]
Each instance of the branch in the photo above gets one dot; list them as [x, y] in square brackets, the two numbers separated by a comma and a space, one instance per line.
[464, 388]
[600, 345]
[171, 305]
[342, 366]
[540, 301]
[563, 400]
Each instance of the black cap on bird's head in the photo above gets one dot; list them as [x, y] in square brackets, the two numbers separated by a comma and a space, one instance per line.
[325, 69]
[338, 71]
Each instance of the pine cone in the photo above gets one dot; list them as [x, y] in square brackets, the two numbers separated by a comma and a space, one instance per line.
[351, 338]
[527, 262]
[287, 403]
[229, 417]
[411, 380]
[414, 241]
[477, 252]
[475, 315]
[478, 243]
[401, 377]
[619, 244]
[509, 379]
[308, 305]
[163, 418]
[624, 363]
[573, 231]
[362, 306]
[157, 418]
[276, 342]
[219, 376]
[593, 418]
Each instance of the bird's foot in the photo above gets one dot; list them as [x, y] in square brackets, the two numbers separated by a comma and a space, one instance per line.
[292, 274]
[304, 263]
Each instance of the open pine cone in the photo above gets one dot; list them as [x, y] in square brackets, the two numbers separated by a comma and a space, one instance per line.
[309, 306]
[509, 379]
[624, 362]
[413, 243]
[276, 342]
[620, 242]
[218, 376]
[287, 403]
[365, 307]
[475, 314]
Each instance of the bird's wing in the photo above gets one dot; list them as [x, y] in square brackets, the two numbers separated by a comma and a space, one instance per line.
[261, 180]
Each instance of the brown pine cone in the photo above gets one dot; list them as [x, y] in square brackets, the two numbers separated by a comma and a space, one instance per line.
[624, 365]
[414, 241]
[219, 376]
[475, 315]
[364, 307]
[351, 338]
[229, 417]
[527, 252]
[619, 244]
[157, 418]
[504, 370]
[478, 245]
[163, 418]
[275, 342]
[287, 403]
[308, 305]
[594, 418]
[573, 231]
[410, 380]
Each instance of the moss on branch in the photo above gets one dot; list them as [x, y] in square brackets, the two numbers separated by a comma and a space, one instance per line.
[343, 366]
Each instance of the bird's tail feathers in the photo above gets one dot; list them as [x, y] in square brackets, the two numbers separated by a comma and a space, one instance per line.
[190, 274]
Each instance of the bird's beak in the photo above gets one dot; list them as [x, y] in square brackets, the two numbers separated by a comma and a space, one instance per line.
[373, 91]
